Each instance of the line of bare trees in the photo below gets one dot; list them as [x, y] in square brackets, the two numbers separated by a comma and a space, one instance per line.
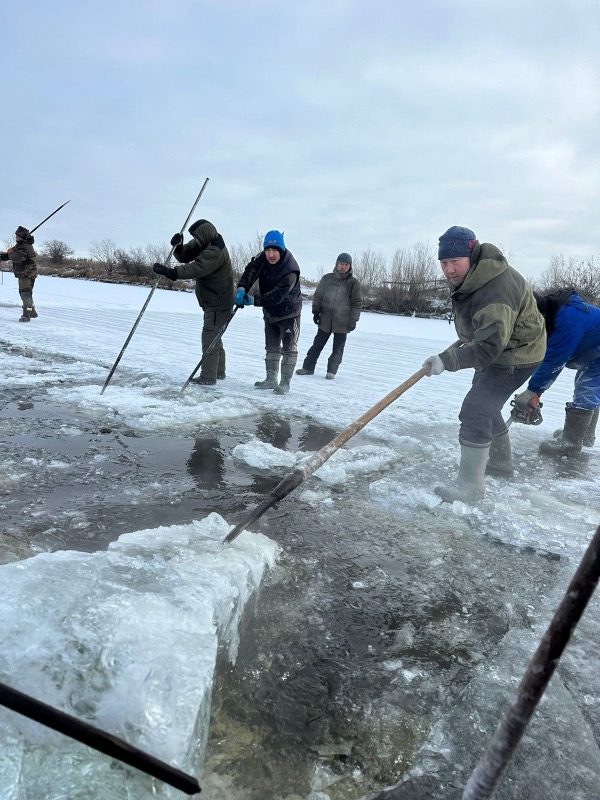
[407, 283]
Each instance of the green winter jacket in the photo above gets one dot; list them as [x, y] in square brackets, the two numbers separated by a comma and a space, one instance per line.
[337, 301]
[496, 316]
[206, 259]
[23, 258]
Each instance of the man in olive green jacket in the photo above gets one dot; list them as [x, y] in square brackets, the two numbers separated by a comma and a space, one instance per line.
[206, 258]
[502, 337]
[23, 258]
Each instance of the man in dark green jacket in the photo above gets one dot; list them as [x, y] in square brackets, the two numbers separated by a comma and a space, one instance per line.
[23, 258]
[336, 307]
[206, 259]
[502, 337]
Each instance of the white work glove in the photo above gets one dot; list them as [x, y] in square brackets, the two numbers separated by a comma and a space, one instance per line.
[435, 364]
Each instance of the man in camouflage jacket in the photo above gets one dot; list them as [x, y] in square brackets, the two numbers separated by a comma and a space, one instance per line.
[23, 257]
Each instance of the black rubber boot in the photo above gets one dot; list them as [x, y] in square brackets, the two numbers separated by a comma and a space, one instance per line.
[25, 317]
[469, 485]
[500, 460]
[570, 440]
[272, 365]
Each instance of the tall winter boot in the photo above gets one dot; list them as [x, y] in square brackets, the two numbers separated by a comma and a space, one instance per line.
[287, 370]
[469, 485]
[25, 315]
[589, 437]
[272, 366]
[33, 314]
[500, 460]
[570, 440]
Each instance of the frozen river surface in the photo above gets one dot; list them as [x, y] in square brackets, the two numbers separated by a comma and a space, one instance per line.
[361, 636]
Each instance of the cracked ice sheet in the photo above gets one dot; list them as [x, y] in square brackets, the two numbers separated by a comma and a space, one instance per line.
[126, 639]
[146, 409]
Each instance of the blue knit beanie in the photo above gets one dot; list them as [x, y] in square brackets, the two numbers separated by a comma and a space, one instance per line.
[274, 239]
[457, 242]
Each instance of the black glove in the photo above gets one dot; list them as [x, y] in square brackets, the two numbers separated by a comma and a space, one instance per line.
[316, 318]
[351, 326]
[168, 272]
[176, 239]
[3, 256]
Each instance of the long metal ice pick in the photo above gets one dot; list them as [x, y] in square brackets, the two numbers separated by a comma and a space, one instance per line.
[145, 306]
[96, 738]
[487, 774]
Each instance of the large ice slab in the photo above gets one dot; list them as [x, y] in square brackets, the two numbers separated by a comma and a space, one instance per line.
[127, 640]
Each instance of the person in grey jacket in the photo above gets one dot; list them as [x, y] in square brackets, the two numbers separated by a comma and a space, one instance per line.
[336, 309]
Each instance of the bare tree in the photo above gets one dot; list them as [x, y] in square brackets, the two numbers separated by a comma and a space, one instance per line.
[370, 269]
[413, 279]
[105, 251]
[242, 254]
[56, 252]
[583, 275]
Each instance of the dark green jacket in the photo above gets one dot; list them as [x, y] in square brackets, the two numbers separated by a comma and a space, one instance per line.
[337, 301]
[206, 259]
[496, 316]
[23, 258]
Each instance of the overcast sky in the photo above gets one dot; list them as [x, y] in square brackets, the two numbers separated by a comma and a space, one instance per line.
[349, 125]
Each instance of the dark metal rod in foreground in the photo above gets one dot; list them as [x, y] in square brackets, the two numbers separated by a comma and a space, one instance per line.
[294, 480]
[208, 350]
[145, 306]
[96, 738]
[48, 217]
[487, 774]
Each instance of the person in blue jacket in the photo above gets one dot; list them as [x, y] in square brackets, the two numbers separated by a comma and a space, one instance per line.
[573, 329]
[278, 276]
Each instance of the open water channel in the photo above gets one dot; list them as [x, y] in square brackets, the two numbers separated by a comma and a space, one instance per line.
[364, 659]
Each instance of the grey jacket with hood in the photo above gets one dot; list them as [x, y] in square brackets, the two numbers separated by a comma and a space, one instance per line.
[337, 301]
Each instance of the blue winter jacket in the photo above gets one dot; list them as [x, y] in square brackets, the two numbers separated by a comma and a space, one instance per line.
[573, 343]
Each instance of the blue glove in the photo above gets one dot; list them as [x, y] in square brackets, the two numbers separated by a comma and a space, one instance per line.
[239, 298]
[248, 300]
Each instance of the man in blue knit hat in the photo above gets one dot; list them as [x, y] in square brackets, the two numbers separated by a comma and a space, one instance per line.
[502, 337]
[278, 276]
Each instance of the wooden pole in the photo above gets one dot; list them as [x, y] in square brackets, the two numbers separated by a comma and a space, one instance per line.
[292, 481]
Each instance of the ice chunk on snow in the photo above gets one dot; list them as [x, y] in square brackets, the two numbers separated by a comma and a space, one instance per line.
[126, 639]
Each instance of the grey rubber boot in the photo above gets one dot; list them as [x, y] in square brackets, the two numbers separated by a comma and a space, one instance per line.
[570, 440]
[589, 437]
[272, 365]
[288, 362]
[469, 485]
[500, 461]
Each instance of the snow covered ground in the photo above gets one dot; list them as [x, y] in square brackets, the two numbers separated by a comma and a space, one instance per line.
[129, 615]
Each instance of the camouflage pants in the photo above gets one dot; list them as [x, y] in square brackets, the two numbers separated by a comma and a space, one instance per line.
[26, 291]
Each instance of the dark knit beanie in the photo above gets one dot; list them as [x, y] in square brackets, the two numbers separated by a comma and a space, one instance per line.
[22, 232]
[345, 257]
[457, 242]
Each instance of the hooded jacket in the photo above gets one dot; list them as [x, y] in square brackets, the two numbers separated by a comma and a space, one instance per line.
[337, 301]
[496, 316]
[23, 258]
[206, 259]
[278, 284]
[573, 338]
